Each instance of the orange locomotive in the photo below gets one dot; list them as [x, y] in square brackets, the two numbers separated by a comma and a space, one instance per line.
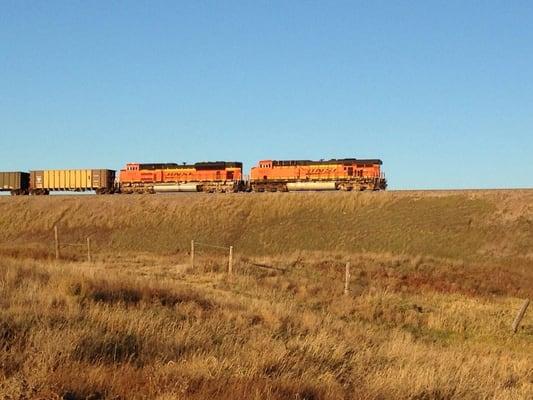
[219, 176]
[343, 174]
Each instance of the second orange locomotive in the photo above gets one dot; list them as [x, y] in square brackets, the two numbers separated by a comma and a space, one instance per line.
[212, 177]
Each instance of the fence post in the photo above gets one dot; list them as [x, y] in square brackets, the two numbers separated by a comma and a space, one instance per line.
[88, 249]
[192, 253]
[520, 315]
[230, 260]
[347, 279]
[56, 240]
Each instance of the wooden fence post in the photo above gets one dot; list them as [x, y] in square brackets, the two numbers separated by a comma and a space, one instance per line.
[56, 240]
[520, 315]
[347, 279]
[192, 253]
[88, 249]
[230, 260]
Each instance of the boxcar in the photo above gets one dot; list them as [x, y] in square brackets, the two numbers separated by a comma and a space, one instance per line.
[218, 176]
[77, 180]
[18, 183]
[292, 175]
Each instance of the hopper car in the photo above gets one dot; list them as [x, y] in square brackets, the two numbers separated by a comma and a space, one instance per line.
[102, 181]
[211, 177]
[295, 175]
[17, 183]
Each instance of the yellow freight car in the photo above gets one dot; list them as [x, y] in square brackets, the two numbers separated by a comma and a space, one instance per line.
[77, 180]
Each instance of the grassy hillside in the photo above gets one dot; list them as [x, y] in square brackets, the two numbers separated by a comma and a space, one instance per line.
[437, 278]
[458, 225]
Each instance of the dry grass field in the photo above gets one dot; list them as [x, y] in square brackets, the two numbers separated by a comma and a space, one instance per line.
[437, 279]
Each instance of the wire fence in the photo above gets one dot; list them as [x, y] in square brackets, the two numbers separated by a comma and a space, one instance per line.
[230, 249]
[58, 245]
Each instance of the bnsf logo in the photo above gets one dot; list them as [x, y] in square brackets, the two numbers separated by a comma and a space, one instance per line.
[321, 170]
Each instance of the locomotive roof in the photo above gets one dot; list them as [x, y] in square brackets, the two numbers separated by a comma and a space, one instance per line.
[206, 165]
[344, 161]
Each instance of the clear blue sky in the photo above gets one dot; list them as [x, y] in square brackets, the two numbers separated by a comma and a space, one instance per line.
[442, 91]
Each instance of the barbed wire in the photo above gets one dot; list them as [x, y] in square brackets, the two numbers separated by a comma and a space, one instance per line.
[211, 245]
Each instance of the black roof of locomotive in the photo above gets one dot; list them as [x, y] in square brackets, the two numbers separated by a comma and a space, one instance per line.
[206, 165]
[344, 161]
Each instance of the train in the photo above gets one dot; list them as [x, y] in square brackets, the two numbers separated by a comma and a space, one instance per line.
[347, 174]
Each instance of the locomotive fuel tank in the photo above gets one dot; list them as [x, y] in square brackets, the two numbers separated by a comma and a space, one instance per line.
[300, 186]
[178, 187]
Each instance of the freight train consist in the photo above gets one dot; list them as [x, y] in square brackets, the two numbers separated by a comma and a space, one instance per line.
[213, 177]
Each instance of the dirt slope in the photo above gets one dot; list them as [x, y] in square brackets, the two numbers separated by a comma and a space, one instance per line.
[452, 224]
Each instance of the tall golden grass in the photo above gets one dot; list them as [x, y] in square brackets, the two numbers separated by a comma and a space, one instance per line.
[150, 327]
